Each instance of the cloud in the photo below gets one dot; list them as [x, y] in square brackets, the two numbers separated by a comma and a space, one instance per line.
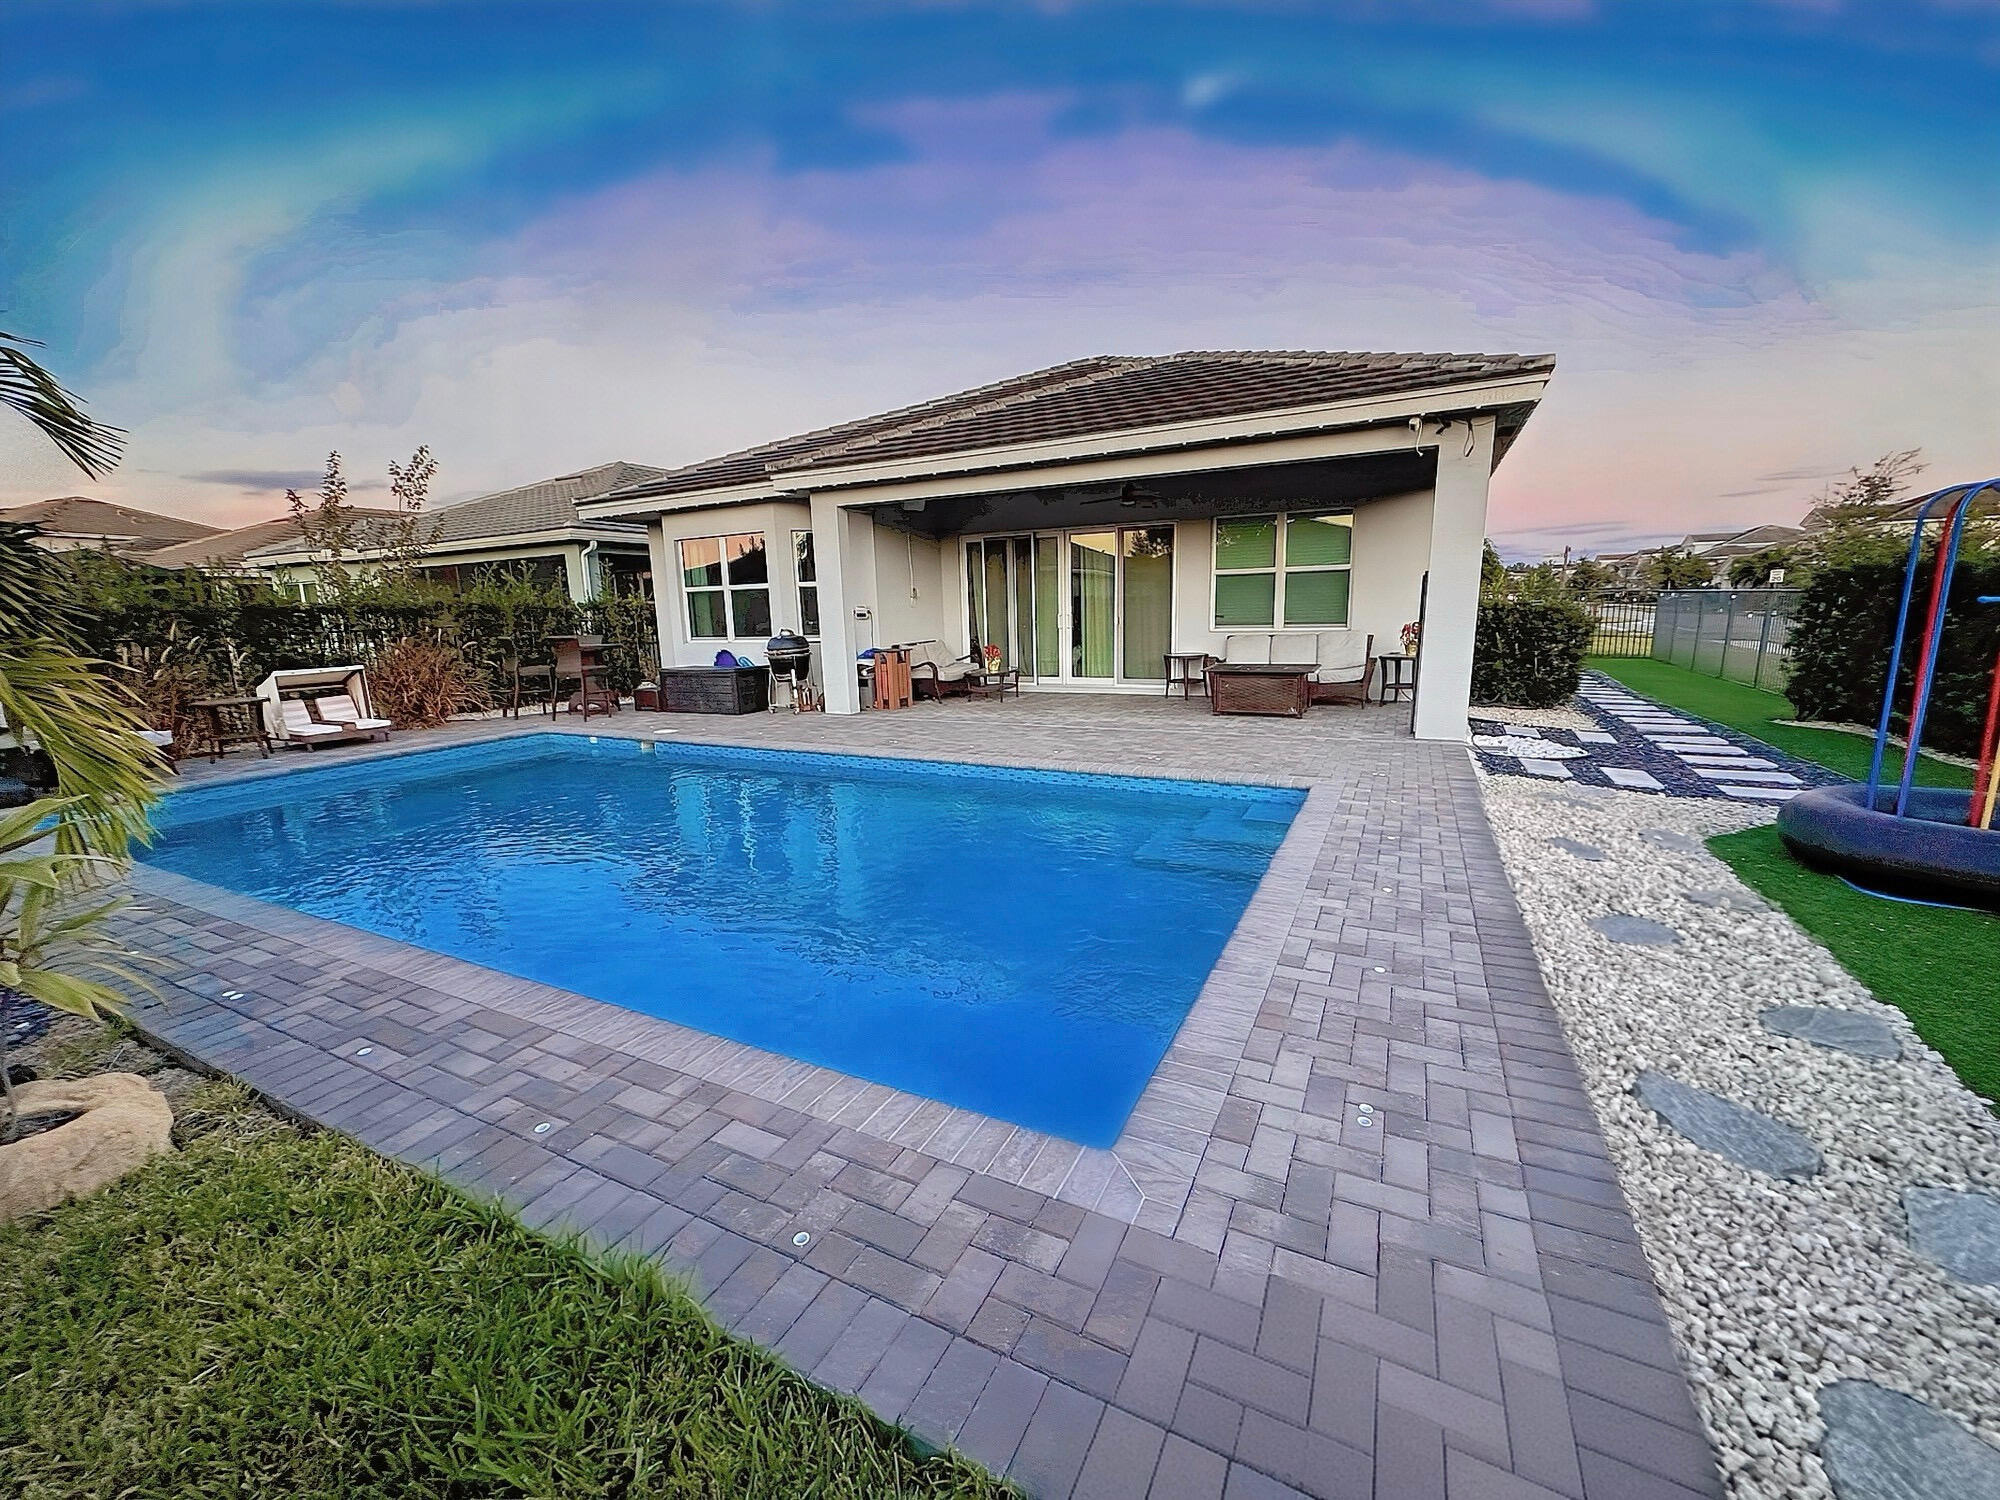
[260, 480]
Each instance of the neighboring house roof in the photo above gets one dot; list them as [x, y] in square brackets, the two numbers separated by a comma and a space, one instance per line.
[1750, 539]
[228, 549]
[1100, 395]
[531, 510]
[117, 526]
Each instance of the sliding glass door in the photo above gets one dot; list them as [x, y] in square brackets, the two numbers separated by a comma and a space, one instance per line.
[1103, 614]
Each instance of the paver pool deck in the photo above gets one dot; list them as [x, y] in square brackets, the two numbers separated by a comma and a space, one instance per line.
[1362, 1238]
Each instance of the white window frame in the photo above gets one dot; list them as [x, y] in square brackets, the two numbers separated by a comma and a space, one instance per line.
[726, 589]
[802, 584]
[1281, 521]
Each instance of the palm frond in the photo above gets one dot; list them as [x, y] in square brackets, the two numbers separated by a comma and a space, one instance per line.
[27, 388]
[86, 725]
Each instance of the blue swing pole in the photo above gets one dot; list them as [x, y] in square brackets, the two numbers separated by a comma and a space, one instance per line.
[1927, 672]
[1896, 640]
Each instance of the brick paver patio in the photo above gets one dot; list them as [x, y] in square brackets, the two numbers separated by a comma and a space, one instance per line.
[1361, 1239]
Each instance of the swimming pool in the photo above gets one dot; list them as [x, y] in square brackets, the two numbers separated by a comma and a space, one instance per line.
[1019, 943]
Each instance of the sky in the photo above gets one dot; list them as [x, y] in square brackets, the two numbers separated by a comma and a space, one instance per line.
[1761, 237]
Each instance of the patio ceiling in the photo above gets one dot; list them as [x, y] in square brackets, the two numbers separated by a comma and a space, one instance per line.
[1191, 496]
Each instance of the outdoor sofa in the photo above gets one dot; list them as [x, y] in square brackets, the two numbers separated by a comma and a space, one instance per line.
[934, 671]
[1343, 662]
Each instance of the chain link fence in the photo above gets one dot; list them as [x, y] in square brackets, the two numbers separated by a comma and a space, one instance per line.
[1738, 634]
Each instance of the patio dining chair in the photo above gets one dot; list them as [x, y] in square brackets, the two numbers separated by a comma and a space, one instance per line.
[526, 679]
[580, 659]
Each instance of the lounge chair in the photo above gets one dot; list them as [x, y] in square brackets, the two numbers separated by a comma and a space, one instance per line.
[340, 708]
[934, 671]
[301, 728]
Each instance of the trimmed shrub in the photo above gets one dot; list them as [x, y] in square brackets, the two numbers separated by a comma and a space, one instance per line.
[1528, 651]
[1842, 631]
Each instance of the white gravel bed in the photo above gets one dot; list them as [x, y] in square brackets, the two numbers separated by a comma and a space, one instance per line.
[1773, 1288]
[1539, 718]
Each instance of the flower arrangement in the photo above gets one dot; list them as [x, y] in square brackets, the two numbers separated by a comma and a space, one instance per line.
[1413, 635]
[992, 658]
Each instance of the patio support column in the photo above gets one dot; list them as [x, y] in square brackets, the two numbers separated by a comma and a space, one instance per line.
[1458, 538]
[666, 596]
[840, 641]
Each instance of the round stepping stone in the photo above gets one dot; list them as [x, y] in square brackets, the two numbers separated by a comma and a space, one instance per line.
[1726, 900]
[1829, 1026]
[1666, 838]
[1580, 850]
[1745, 1136]
[1960, 1231]
[1622, 927]
[1883, 1445]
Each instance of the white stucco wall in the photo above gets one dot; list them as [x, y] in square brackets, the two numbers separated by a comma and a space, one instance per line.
[776, 522]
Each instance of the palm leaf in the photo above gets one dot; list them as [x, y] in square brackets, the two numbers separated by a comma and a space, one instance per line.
[27, 388]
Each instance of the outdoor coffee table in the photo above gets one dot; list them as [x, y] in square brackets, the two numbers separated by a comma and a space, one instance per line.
[1246, 689]
[996, 684]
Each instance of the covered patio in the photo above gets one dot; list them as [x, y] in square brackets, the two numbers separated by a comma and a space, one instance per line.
[1082, 524]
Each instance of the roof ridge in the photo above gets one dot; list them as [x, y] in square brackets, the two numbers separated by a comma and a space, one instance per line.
[1112, 364]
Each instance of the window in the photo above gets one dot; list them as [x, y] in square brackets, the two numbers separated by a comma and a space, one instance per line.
[808, 575]
[727, 580]
[1291, 567]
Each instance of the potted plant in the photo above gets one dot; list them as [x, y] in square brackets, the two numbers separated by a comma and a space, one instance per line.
[1413, 636]
[992, 658]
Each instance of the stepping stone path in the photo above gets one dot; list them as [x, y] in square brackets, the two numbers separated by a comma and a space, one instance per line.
[1960, 1231]
[1745, 1136]
[1830, 1026]
[1883, 1445]
[1622, 927]
[1699, 760]
[1580, 850]
[1667, 838]
[1726, 900]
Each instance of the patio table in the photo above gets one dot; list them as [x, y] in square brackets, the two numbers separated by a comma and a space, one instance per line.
[1187, 668]
[234, 719]
[1280, 690]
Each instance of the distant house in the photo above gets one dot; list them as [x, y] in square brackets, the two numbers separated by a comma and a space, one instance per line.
[228, 551]
[532, 533]
[77, 523]
[1721, 549]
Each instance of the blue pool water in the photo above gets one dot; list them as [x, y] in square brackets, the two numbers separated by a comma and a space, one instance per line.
[1020, 943]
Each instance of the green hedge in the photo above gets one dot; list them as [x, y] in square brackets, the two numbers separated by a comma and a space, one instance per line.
[1841, 634]
[1529, 649]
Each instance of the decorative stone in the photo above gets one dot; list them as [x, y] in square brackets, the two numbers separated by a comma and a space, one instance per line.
[1829, 1026]
[1883, 1445]
[1667, 838]
[1718, 900]
[1525, 746]
[1960, 1231]
[1745, 1136]
[1622, 927]
[124, 1121]
[1580, 850]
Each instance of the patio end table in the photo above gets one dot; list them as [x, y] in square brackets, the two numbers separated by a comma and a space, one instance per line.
[1189, 669]
[233, 719]
[1398, 673]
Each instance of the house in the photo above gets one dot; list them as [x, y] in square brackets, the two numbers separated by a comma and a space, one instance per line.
[228, 551]
[533, 532]
[1719, 550]
[1088, 518]
[76, 522]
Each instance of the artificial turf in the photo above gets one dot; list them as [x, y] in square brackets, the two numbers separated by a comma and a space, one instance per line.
[290, 1315]
[1940, 966]
[1756, 712]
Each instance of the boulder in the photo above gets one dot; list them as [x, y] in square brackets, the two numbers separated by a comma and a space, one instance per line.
[122, 1122]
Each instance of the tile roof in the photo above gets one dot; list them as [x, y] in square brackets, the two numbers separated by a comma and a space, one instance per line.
[545, 505]
[1102, 394]
[226, 549]
[79, 515]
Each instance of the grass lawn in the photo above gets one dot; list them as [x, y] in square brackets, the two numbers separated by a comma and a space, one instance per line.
[1754, 711]
[271, 1313]
[1940, 967]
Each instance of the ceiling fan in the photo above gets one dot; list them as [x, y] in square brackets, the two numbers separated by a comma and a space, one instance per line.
[1129, 495]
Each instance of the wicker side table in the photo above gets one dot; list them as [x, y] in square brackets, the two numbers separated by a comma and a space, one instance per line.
[1276, 690]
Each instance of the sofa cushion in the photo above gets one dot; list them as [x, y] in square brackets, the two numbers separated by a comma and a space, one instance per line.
[1343, 656]
[1297, 650]
[1246, 650]
[925, 653]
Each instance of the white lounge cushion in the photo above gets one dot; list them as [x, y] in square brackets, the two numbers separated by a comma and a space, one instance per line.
[1246, 650]
[340, 708]
[932, 655]
[1295, 650]
[299, 722]
[1343, 656]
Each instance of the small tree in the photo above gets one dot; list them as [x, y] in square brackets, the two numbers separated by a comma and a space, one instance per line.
[327, 528]
[1492, 571]
[1678, 568]
[1588, 578]
[1755, 570]
[407, 538]
[1866, 495]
